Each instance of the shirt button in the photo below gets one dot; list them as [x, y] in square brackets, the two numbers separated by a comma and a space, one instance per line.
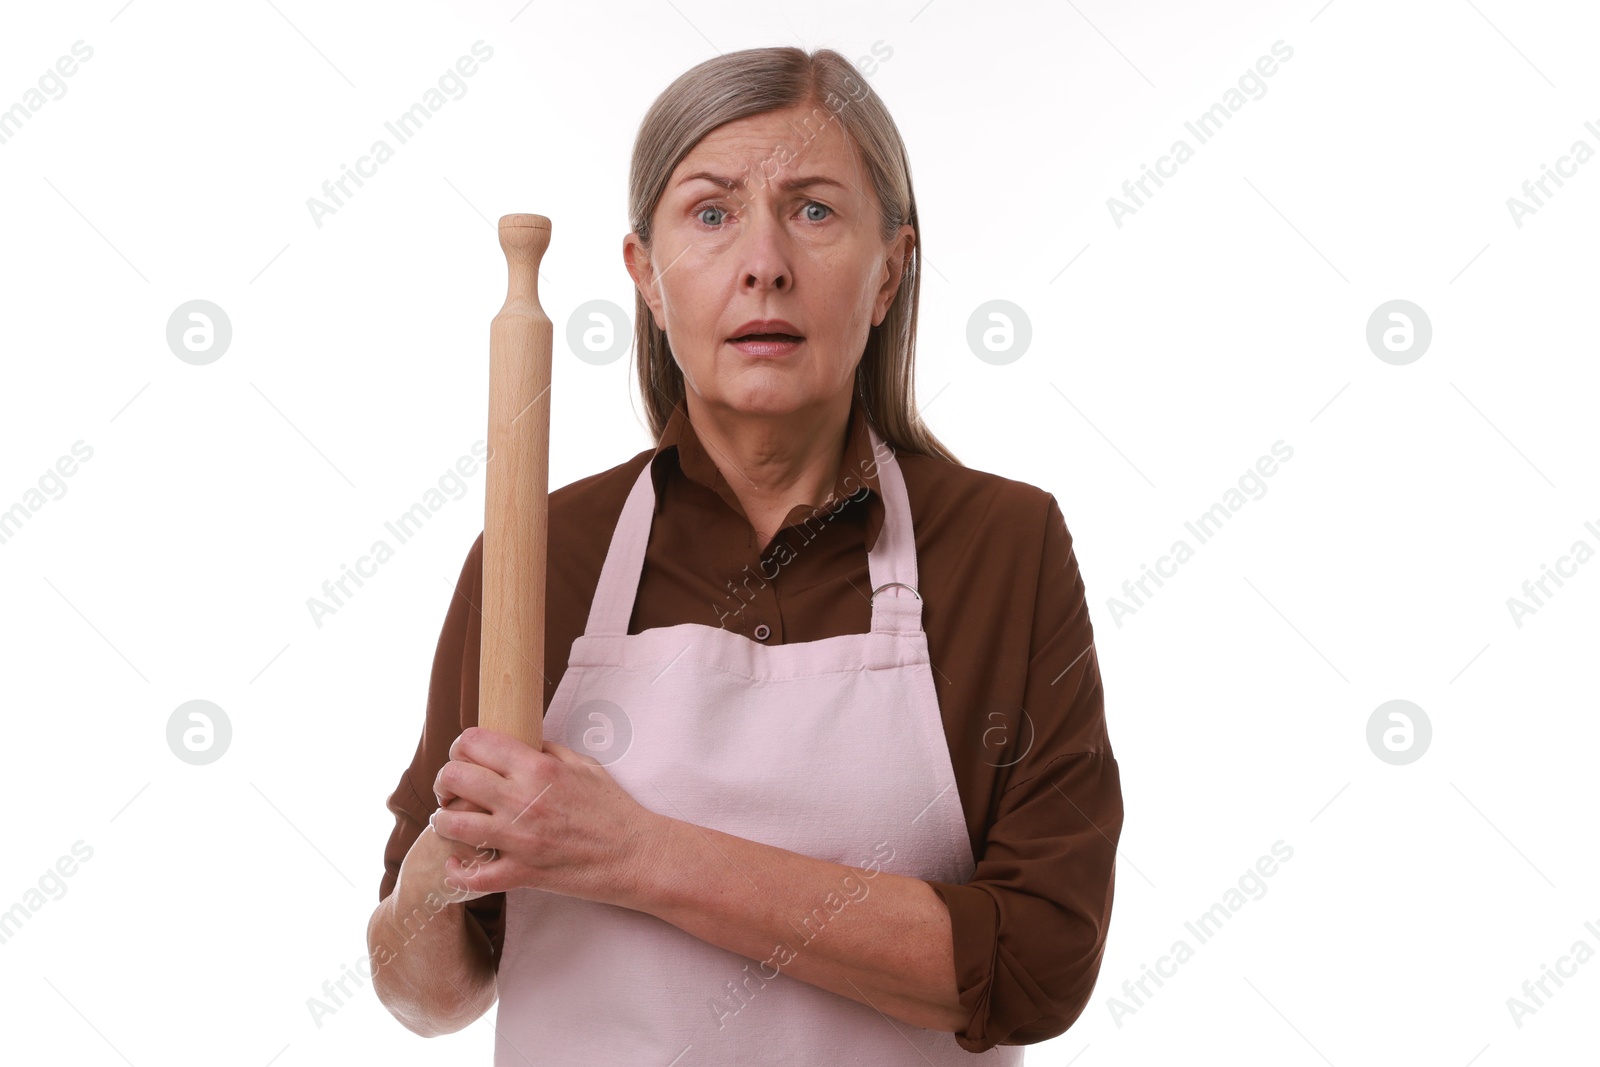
[763, 632]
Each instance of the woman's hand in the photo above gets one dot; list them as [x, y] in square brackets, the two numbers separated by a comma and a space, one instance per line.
[555, 820]
[423, 871]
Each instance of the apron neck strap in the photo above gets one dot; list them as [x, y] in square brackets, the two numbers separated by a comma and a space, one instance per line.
[891, 563]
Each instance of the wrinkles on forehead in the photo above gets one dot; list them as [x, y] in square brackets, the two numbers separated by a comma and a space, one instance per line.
[764, 153]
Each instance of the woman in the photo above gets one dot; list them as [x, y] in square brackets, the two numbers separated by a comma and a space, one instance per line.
[826, 775]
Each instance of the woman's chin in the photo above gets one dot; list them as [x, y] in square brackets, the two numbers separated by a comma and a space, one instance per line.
[766, 392]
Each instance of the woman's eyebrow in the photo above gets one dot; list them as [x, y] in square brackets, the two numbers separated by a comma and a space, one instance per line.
[735, 183]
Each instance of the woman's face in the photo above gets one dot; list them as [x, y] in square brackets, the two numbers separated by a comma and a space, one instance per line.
[756, 243]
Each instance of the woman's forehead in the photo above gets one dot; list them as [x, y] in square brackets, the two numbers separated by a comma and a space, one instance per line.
[739, 156]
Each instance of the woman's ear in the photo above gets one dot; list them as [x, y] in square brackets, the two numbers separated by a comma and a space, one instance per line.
[636, 257]
[894, 265]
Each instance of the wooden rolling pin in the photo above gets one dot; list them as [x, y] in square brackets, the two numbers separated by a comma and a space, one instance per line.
[517, 487]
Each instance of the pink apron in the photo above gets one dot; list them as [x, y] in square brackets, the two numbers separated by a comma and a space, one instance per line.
[833, 749]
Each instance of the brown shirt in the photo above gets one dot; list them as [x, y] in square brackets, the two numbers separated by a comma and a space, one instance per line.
[1014, 666]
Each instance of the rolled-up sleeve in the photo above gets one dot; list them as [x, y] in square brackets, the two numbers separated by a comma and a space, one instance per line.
[452, 706]
[1030, 927]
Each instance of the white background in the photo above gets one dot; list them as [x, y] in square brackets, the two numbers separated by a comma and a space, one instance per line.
[1168, 354]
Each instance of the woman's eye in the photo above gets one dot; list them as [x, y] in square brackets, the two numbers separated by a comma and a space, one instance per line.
[719, 213]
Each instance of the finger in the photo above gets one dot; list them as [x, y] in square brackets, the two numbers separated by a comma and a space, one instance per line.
[477, 875]
[469, 827]
[460, 779]
[569, 755]
[499, 752]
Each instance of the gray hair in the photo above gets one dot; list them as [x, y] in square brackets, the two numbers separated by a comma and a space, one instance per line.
[751, 82]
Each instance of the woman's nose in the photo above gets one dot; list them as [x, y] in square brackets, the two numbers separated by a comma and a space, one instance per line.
[765, 253]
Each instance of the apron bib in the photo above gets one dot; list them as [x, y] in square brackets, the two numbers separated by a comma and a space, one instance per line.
[834, 749]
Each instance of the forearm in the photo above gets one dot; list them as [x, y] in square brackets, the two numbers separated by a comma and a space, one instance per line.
[433, 968]
[880, 939]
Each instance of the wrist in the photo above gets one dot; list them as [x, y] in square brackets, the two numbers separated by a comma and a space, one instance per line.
[651, 865]
[420, 883]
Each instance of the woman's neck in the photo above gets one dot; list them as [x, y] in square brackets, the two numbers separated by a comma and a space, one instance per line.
[774, 462]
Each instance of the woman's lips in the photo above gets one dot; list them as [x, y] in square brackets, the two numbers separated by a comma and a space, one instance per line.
[767, 344]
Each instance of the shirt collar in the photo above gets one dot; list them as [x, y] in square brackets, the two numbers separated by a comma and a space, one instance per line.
[858, 466]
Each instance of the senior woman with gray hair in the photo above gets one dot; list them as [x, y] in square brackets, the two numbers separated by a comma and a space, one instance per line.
[826, 775]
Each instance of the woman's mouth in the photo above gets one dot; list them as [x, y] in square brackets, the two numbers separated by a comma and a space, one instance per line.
[766, 344]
